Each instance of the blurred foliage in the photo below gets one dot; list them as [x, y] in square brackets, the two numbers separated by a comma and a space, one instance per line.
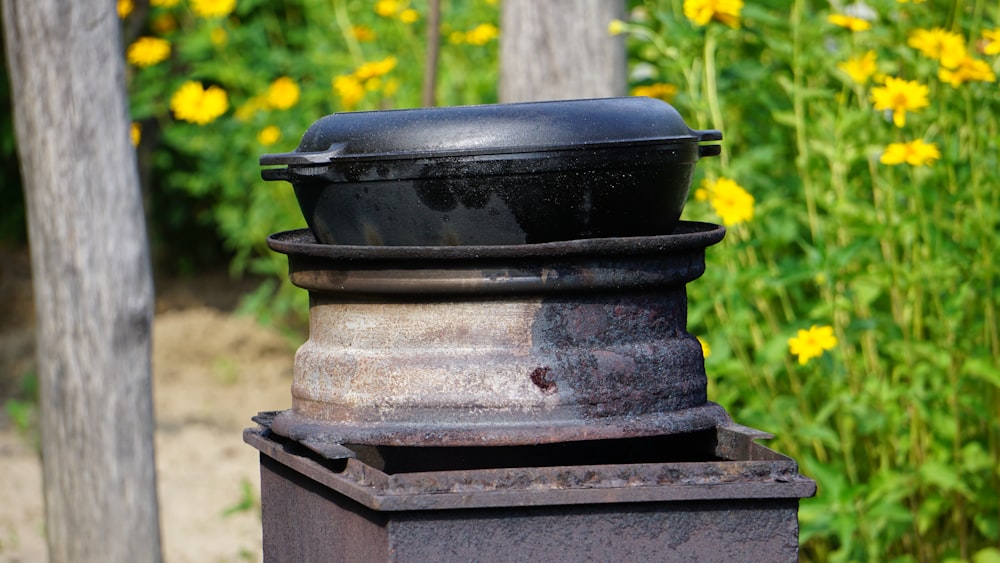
[897, 422]
[21, 408]
[282, 66]
[12, 214]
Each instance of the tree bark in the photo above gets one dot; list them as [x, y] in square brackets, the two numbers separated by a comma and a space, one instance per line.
[560, 49]
[92, 279]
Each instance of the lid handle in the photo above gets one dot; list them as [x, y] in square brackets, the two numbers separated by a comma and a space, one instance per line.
[709, 135]
[304, 158]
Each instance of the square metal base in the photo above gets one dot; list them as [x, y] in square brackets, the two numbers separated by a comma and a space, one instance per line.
[740, 506]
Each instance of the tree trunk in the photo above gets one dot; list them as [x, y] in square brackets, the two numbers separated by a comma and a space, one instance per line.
[560, 49]
[92, 279]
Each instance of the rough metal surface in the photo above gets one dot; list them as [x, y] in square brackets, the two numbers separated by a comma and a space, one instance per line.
[746, 531]
[551, 483]
[498, 345]
[586, 265]
[740, 509]
[326, 438]
[304, 521]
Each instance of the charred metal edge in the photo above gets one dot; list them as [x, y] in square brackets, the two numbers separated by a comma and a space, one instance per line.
[319, 435]
[491, 276]
[586, 265]
[688, 235]
[767, 475]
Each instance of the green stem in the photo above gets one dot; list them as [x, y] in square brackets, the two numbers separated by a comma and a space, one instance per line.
[712, 91]
[344, 23]
[798, 104]
[666, 51]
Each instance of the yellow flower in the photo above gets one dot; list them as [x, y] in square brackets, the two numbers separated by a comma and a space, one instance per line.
[900, 96]
[456, 38]
[350, 90]
[269, 135]
[706, 350]
[849, 22]
[147, 51]
[732, 203]
[703, 11]
[946, 47]
[409, 15]
[213, 8]
[125, 8]
[218, 37]
[661, 91]
[809, 344]
[391, 87]
[388, 8]
[135, 133]
[362, 33]
[163, 3]
[914, 153]
[991, 41]
[375, 69]
[163, 24]
[193, 103]
[859, 68]
[482, 34]
[967, 69]
[250, 107]
[616, 27]
[283, 93]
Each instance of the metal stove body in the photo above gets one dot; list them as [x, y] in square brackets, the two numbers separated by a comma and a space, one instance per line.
[512, 402]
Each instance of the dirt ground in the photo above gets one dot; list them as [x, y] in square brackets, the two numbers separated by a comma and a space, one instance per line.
[212, 370]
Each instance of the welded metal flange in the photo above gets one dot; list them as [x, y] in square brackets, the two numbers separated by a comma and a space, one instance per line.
[575, 265]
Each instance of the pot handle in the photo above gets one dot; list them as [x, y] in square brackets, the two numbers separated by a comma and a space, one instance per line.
[709, 135]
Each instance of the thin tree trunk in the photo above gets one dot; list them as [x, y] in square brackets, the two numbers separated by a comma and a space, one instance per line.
[560, 49]
[92, 279]
[428, 97]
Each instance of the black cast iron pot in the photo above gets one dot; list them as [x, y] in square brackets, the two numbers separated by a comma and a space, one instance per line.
[495, 174]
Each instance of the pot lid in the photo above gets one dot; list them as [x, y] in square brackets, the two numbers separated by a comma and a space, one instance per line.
[529, 127]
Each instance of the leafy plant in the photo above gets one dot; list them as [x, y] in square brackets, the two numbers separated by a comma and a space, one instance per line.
[872, 171]
[22, 408]
[235, 85]
[247, 502]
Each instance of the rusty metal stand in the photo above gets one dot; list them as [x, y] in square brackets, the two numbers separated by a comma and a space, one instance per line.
[538, 402]
[741, 505]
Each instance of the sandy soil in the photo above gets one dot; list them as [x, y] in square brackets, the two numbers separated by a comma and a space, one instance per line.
[212, 370]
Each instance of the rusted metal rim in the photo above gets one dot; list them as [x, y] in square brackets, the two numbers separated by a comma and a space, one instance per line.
[328, 438]
[744, 470]
[578, 265]
[688, 235]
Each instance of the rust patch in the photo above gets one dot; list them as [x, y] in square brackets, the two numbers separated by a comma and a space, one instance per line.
[540, 377]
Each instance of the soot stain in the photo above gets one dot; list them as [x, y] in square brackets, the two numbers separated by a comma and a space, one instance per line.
[540, 377]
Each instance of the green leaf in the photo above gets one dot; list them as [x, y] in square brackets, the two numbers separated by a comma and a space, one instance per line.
[943, 476]
[784, 118]
[988, 555]
[982, 369]
[988, 525]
